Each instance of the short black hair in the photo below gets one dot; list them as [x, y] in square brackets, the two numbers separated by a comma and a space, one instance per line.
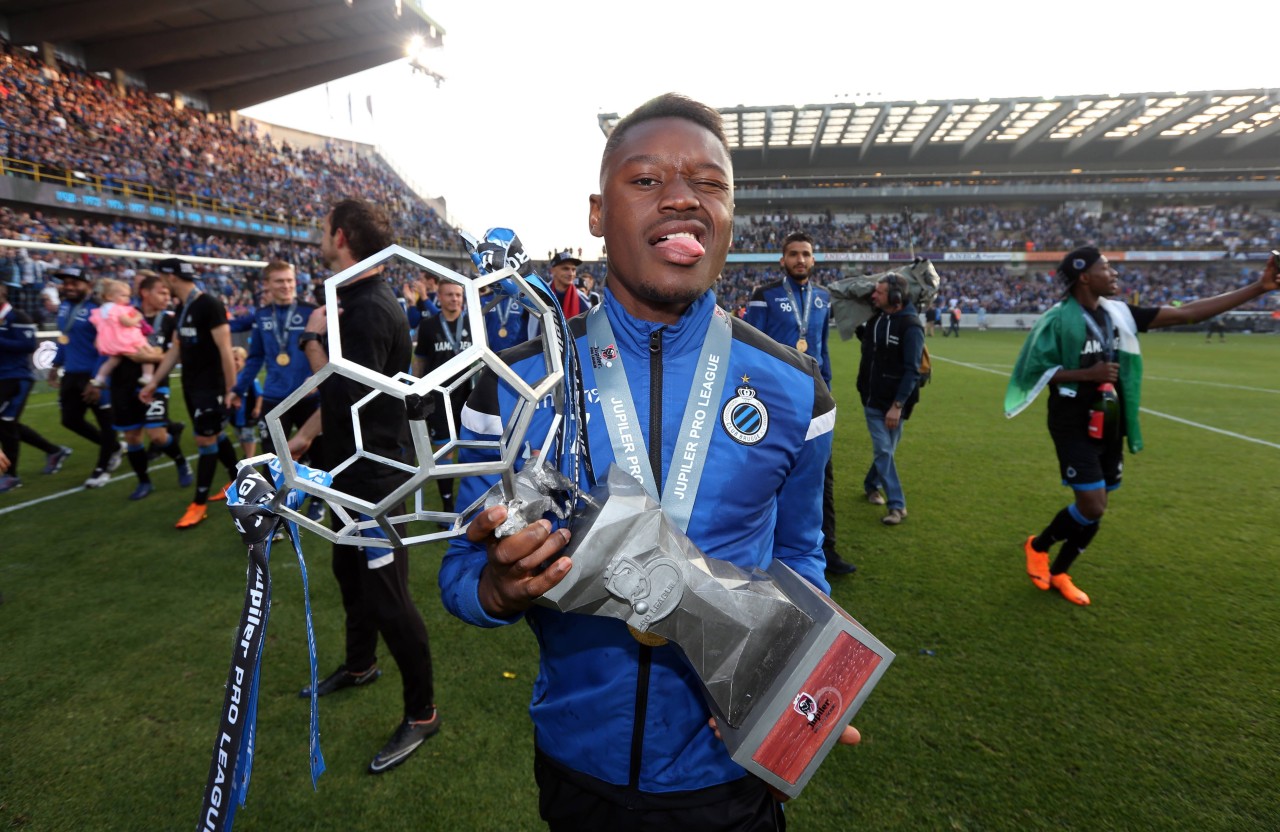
[149, 280]
[797, 237]
[366, 226]
[668, 105]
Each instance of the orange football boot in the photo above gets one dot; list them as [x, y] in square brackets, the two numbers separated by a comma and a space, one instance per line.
[1063, 584]
[1037, 564]
[196, 512]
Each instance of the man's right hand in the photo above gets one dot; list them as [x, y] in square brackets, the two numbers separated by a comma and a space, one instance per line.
[53, 379]
[147, 392]
[521, 567]
[1104, 371]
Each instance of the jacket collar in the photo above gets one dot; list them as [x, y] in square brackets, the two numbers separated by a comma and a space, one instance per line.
[685, 335]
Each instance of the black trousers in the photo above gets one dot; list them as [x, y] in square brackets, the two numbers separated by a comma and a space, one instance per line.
[829, 513]
[72, 405]
[574, 802]
[290, 421]
[377, 602]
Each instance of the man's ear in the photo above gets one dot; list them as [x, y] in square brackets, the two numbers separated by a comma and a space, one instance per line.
[594, 222]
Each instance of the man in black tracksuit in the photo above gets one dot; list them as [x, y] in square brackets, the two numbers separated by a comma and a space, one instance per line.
[374, 580]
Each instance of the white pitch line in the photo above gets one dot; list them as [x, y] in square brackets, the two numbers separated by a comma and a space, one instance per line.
[1214, 384]
[1168, 416]
[970, 366]
[79, 489]
[1210, 428]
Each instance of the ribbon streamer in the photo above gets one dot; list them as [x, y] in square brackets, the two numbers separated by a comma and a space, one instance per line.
[250, 503]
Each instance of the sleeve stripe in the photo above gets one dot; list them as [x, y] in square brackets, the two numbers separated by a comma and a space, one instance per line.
[758, 303]
[819, 425]
[385, 557]
[485, 424]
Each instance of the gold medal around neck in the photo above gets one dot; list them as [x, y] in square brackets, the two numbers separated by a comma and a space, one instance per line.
[62, 339]
[802, 345]
[502, 332]
[647, 639]
[283, 359]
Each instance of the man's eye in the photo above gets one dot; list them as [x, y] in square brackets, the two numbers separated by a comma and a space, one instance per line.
[646, 181]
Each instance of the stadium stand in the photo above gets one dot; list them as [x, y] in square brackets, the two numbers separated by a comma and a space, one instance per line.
[1181, 189]
[79, 128]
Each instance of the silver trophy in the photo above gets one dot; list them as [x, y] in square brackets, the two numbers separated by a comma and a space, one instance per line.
[425, 463]
[784, 669]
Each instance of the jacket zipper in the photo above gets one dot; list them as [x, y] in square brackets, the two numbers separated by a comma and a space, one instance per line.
[655, 463]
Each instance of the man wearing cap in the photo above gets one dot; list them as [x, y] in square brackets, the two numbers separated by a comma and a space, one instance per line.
[203, 345]
[1085, 350]
[795, 312]
[74, 366]
[564, 268]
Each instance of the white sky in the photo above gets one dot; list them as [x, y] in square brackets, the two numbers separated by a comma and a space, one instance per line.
[511, 138]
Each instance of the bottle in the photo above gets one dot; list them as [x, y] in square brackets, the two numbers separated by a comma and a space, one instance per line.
[1104, 410]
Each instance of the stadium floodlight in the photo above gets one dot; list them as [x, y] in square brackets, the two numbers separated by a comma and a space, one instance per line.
[452, 379]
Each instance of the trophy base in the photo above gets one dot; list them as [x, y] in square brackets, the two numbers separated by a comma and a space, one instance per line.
[795, 724]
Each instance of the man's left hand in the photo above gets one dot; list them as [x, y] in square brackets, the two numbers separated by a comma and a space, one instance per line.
[318, 322]
[893, 418]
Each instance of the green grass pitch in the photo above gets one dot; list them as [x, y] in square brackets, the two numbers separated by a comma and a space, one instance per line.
[1006, 709]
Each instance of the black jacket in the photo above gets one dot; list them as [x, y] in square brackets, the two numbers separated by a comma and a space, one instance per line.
[890, 367]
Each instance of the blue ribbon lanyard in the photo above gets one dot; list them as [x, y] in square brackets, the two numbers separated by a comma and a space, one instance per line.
[186, 308]
[454, 338]
[1107, 341]
[802, 323]
[282, 331]
[229, 772]
[504, 312]
[623, 422]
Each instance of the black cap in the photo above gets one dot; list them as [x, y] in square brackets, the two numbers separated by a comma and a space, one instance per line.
[565, 257]
[1077, 262]
[178, 268]
[72, 273]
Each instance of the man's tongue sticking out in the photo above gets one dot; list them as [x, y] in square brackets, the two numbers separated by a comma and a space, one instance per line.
[681, 249]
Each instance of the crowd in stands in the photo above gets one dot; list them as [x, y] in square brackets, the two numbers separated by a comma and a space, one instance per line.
[996, 290]
[999, 290]
[968, 180]
[1039, 227]
[69, 120]
[65, 119]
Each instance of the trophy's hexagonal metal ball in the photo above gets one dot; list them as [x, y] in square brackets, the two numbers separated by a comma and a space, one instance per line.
[451, 379]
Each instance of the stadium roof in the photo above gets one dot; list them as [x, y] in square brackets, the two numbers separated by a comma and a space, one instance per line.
[1215, 128]
[230, 53]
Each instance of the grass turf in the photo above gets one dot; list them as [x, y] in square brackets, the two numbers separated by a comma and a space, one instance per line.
[1007, 708]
